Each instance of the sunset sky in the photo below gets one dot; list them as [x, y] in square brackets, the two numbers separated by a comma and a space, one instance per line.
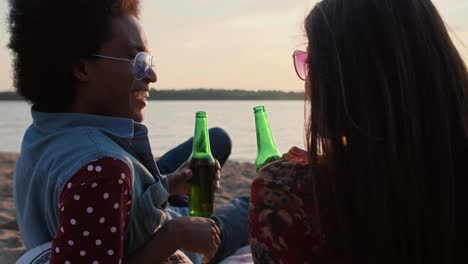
[230, 44]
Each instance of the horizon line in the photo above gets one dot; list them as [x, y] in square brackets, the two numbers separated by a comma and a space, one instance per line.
[200, 88]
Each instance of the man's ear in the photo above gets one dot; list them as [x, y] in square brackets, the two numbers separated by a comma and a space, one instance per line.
[81, 70]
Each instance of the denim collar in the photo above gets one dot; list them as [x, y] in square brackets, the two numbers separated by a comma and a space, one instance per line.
[55, 122]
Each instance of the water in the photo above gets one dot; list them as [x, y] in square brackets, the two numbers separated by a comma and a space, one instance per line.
[172, 122]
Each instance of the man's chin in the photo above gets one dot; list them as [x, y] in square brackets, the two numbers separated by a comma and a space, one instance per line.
[137, 117]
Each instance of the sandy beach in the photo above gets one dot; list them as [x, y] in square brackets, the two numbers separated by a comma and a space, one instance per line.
[235, 181]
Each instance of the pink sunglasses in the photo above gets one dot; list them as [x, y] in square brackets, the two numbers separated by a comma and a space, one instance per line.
[300, 64]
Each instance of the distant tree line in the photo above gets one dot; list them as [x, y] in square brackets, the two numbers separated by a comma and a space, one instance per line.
[10, 96]
[218, 94]
[201, 94]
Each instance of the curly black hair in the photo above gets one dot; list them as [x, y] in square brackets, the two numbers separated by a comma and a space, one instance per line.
[48, 36]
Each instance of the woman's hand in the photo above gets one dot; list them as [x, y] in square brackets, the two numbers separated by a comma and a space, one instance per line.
[179, 181]
[196, 234]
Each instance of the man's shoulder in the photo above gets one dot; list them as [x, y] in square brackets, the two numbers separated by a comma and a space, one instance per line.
[67, 150]
[84, 139]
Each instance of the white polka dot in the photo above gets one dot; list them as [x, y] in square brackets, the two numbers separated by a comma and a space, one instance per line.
[57, 250]
[98, 168]
[61, 229]
[89, 210]
[95, 262]
[113, 229]
[67, 262]
[106, 195]
[120, 261]
[69, 185]
[125, 192]
[116, 205]
[98, 242]
[83, 183]
[73, 221]
[122, 176]
[82, 253]
[76, 197]
[85, 233]
[90, 167]
[101, 220]
[129, 202]
[63, 208]
[94, 185]
[71, 243]
[120, 181]
[110, 252]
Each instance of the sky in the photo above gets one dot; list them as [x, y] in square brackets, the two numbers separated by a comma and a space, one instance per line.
[230, 44]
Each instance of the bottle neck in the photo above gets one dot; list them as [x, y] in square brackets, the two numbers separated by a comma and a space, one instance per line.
[264, 137]
[201, 140]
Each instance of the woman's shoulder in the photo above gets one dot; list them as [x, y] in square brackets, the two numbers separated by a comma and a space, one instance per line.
[290, 171]
[282, 213]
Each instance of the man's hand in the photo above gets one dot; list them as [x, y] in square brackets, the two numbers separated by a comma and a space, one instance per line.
[196, 234]
[193, 234]
[179, 181]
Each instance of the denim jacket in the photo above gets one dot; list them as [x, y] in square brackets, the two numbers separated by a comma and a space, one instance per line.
[57, 145]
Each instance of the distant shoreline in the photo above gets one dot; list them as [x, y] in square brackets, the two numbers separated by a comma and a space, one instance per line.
[199, 94]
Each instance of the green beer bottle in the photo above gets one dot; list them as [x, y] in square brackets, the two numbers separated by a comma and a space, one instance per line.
[266, 147]
[202, 164]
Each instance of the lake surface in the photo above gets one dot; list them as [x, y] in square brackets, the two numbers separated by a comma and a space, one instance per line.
[172, 122]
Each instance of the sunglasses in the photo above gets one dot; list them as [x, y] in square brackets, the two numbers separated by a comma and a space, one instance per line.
[142, 62]
[300, 64]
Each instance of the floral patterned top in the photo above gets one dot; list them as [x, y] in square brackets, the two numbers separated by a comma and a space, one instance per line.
[282, 213]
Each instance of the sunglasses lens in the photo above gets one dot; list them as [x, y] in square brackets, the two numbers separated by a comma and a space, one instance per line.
[300, 63]
[141, 66]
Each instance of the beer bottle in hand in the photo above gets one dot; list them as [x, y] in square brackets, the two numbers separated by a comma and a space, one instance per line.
[202, 164]
[266, 147]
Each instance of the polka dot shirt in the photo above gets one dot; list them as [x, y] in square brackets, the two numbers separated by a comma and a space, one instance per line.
[93, 213]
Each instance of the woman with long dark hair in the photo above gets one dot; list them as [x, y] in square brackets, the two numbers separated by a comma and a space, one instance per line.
[387, 138]
[388, 124]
